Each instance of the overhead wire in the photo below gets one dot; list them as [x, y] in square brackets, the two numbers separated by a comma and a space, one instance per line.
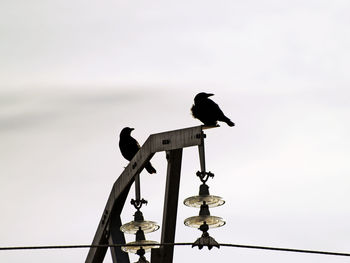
[177, 244]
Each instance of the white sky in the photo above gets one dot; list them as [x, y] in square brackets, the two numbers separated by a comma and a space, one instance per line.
[73, 74]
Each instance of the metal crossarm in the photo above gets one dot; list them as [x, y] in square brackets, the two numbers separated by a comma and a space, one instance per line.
[165, 141]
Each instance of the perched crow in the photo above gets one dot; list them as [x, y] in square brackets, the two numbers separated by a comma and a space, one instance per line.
[129, 147]
[207, 111]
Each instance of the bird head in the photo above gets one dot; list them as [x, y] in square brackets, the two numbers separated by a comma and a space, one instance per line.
[126, 131]
[201, 96]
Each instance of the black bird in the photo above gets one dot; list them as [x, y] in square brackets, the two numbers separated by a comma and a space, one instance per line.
[207, 111]
[129, 147]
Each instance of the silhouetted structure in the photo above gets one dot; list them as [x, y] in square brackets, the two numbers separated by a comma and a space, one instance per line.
[207, 111]
[108, 229]
[129, 147]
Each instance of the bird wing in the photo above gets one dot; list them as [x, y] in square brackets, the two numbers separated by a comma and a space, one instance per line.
[213, 110]
[129, 147]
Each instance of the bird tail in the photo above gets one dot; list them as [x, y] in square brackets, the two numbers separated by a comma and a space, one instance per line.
[150, 168]
[228, 121]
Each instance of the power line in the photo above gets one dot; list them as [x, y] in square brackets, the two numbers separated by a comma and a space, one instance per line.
[288, 250]
[180, 244]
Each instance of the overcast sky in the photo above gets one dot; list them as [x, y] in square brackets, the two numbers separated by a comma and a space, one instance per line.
[74, 73]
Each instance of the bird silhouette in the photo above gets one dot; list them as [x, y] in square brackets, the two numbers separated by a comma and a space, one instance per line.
[129, 147]
[207, 111]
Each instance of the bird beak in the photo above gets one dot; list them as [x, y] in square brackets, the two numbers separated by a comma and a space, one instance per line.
[132, 129]
[210, 94]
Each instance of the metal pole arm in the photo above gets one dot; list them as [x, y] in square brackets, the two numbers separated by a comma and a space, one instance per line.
[165, 141]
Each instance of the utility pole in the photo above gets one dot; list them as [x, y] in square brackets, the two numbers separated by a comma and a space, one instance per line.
[108, 230]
